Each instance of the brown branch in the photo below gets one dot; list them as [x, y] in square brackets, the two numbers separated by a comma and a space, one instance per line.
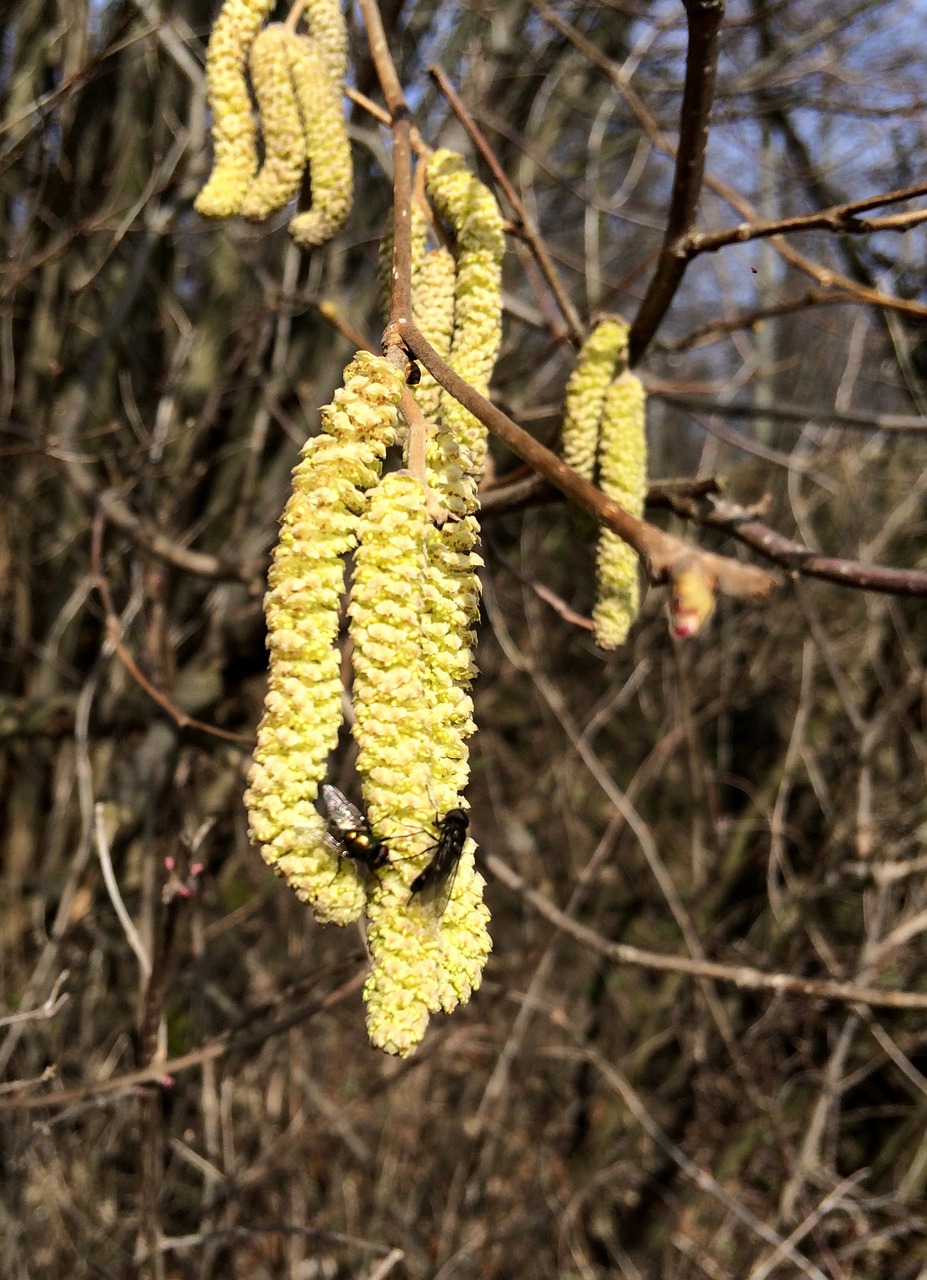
[898, 423]
[825, 277]
[744, 977]
[119, 513]
[114, 636]
[715, 329]
[660, 553]
[842, 218]
[383, 59]
[744, 525]
[524, 227]
[221, 1046]
[704, 22]
[400, 294]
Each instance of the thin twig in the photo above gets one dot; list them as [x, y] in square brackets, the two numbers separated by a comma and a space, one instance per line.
[842, 218]
[115, 897]
[54, 1001]
[743, 524]
[701, 1177]
[114, 637]
[221, 1046]
[787, 411]
[825, 277]
[744, 977]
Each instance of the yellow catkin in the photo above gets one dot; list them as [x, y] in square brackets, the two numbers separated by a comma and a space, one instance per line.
[451, 600]
[585, 393]
[281, 174]
[233, 131]
[433, 287]
[329, 32]
[319, 96]
[412, 764]
[471, 210]
[622, 476]
[302, 711]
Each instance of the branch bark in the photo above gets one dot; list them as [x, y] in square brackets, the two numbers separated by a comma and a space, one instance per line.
[704, 19]
[660, 553]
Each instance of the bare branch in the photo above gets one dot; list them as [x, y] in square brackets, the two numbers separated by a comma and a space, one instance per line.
[744, 977]
[843, 218]
[704, 19]
[744, 525]
[786, 411]
[660, 553]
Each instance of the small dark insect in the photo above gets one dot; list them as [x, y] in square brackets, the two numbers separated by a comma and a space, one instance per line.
[349, 833]
[435, 883]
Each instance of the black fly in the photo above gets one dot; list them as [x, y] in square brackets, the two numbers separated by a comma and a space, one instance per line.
[349, 833]
[434, 884]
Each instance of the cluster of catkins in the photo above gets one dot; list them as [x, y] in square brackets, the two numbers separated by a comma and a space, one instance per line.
[603, 428]
[413, 604]
[297, 79]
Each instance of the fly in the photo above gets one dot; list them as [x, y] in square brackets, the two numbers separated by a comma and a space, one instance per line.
[349, 833]
[435, 883]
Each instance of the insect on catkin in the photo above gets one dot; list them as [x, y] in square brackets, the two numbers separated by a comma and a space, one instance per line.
[419, 962]
[303, 706]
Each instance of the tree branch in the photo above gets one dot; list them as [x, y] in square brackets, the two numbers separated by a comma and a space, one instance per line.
[704, 19]
[838, 218]
[786, 411]
[660, 553]
[744, 977]
[743, 524]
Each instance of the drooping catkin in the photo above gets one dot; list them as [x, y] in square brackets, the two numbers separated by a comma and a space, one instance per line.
[319, 95]
[279, 177]
[410, 766]
[235, 159]
[585, 393]
[303, 707]
[329, 31]
[623, 477]
[433, 287]
[471, 210]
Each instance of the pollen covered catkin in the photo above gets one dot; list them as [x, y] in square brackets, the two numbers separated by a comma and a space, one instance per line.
[433, 286]
[303, 706]
[319, 96]
[329, 32]
[280, 175]
[623, 477]
[471, 210]
[233, 130]
[420, 961]
[585, 393]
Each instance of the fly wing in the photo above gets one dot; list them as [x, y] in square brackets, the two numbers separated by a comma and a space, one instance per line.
[341, 813]
[331, 843]
[433, 886]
